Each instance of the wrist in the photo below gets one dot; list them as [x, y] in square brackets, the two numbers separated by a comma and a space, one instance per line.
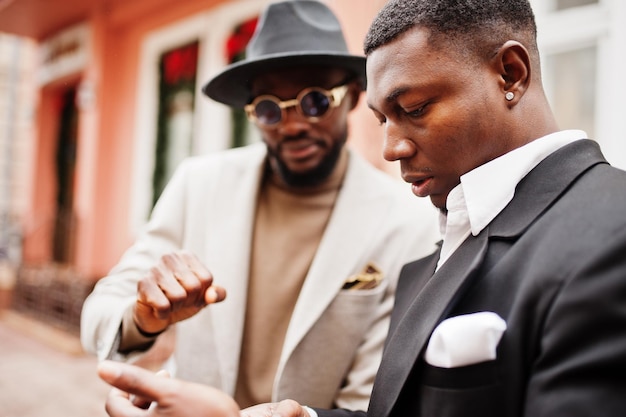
[147, 334]
[150, 331]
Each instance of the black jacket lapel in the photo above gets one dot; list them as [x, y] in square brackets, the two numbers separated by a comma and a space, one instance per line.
[543, 185]
[414, 325]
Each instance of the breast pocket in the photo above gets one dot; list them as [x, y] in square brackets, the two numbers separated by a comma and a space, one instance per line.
[348, 317]
[472, 390]
[463, 377]
[358, 306]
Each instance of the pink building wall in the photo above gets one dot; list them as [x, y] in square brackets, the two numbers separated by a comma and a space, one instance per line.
[106, 127]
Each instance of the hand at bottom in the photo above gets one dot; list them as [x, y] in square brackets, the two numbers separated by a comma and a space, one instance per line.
[285, 408]
[170, 397]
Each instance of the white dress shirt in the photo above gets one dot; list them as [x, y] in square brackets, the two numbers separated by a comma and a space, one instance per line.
[485, 191]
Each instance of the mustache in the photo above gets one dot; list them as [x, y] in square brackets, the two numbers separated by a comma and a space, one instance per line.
[406, 166]
[295, 138]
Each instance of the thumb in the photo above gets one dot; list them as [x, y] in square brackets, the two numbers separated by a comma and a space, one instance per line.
[289, 408]
[214, 294]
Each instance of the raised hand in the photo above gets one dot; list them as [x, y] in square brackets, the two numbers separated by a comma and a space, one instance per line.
[174, 290]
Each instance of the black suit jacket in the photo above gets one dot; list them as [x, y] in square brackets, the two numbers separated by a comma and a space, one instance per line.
[552, 264]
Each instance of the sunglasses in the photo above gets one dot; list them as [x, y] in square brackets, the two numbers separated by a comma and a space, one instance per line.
[312, 103]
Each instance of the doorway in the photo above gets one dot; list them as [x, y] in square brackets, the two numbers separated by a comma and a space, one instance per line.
[65, 168]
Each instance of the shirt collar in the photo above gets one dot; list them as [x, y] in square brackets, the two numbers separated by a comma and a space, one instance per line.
[487, 189]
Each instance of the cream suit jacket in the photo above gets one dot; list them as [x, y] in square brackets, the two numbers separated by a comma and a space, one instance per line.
[335, 337]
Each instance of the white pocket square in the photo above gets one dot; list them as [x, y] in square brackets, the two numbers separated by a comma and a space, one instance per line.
[465, 340]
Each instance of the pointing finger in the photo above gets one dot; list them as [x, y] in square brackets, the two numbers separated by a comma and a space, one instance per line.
[133, 380]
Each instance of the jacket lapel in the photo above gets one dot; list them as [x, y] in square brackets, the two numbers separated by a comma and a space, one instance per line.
[339, 252]
[544, 185]
[413, 329]
[233, 236]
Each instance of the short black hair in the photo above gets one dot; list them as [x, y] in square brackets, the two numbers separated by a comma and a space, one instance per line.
[473, 25]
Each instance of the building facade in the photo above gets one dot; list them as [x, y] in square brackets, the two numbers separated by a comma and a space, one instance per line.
[17, 94]
[115, 105]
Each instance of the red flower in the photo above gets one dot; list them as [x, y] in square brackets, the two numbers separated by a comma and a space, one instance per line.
[181, 64]
[237, 42]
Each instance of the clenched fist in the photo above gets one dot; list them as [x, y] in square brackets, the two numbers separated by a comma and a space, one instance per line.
[174, 290]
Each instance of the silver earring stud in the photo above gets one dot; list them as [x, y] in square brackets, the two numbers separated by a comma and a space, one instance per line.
[509, 95]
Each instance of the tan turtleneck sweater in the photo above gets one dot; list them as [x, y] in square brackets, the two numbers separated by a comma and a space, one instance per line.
[288, 228]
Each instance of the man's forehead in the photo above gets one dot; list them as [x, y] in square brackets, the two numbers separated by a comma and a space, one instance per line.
[410, 54]
[387, 68]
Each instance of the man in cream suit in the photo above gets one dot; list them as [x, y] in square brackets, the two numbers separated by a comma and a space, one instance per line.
[522, 311]
[305, 237]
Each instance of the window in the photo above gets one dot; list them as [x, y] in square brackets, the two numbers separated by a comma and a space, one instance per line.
[566, 4]
[236, 51]
[581, 44]
[177, 87]
[572, 82]
[166, 113]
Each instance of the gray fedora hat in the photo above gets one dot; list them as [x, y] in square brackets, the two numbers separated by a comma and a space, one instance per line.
[289, 33]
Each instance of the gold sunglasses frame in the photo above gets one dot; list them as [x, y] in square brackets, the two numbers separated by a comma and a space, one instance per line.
[335, 96]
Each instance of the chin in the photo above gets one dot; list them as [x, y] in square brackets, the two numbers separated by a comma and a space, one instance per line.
[304, 179]
[312, 176]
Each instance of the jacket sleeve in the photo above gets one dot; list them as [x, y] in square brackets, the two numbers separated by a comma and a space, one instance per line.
[114, 294]
[582, 360]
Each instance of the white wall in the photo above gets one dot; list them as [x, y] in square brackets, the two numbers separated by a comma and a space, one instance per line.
[600, 27]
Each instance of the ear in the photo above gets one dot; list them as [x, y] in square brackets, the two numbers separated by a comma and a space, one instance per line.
[354, 90]
[513, 64]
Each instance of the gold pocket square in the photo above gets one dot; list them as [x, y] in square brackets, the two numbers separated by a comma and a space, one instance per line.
[369, 278]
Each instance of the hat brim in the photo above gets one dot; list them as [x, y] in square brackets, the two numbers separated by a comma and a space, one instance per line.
[232, 85]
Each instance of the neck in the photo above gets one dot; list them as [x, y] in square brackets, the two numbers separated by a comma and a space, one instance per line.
[534, 118]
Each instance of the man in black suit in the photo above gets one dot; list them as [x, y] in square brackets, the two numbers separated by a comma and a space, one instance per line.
[522, 311]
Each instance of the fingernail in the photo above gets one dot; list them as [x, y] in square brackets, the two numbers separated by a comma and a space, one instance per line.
[210, 295]
[109, 370]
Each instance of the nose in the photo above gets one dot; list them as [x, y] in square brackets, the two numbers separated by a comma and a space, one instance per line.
[396, 145]
[292, 122]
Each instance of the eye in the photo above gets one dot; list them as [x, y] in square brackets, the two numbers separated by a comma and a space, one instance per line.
[419, 112]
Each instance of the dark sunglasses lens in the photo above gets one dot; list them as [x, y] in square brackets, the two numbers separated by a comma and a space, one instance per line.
[314, 104]
[267, 112]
